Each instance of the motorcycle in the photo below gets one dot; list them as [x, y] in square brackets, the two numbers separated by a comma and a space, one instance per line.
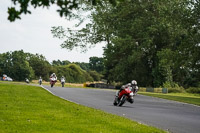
[125, 95]
[53, 80]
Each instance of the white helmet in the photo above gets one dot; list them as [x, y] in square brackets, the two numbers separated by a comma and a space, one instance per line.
[133, 82]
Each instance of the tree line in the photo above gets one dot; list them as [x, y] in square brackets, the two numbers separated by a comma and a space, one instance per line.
[20, 65]
[153, 42]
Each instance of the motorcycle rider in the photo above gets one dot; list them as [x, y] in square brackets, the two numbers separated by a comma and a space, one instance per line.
[53, 79]
[134, 86]
[40, 80]
[26, 80]
[53, 75]
[62, 80]
[129, 86]
[118, 97]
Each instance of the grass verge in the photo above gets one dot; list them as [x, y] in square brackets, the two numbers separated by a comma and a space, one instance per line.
[26, 108]
[181, 97]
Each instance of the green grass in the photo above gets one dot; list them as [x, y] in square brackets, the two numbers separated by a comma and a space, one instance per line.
[26, 108]
[181, 97]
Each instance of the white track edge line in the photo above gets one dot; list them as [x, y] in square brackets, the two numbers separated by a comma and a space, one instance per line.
[58, 96]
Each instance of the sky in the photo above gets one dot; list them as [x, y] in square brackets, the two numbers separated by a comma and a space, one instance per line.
[33, 34]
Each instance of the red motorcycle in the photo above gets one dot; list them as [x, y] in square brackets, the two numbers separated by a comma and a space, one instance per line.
[53, 80]
[125, 95]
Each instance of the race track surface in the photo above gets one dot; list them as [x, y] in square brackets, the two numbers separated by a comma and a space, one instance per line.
[171, 116]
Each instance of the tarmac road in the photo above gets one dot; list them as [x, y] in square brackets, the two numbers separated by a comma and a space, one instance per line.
[171, 116]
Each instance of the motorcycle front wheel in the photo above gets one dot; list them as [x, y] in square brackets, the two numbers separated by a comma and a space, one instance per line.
[122, 100]
[51, 85]
[131, 100]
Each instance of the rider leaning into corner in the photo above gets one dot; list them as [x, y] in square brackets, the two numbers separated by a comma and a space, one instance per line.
[132, 86]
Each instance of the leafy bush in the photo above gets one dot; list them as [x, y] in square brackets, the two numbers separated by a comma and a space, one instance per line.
[173, 87]
[95, 75]
[73, 73]
[176, 90]
[193, 90]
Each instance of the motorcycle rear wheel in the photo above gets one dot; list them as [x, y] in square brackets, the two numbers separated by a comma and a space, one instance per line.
[116, 101]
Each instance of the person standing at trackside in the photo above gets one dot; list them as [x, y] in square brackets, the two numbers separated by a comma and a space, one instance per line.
[40, 80]
[134, 86]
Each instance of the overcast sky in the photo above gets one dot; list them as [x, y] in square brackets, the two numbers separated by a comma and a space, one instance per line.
[33, 34]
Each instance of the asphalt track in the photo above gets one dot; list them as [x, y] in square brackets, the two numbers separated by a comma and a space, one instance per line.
[171, 116]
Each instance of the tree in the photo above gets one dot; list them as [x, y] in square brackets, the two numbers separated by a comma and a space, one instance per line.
[40, 65]
[83, 65]
[95, 75]
[73, 73]
[90, 35]
[56, 63]
[138, 34]
[166, 62]
[65, 6]
[59, 62]
[15, 65]
[65, 62]
[97, 64]
[154, 26]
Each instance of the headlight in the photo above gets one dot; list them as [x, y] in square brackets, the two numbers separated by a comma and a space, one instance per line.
[131, 94]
